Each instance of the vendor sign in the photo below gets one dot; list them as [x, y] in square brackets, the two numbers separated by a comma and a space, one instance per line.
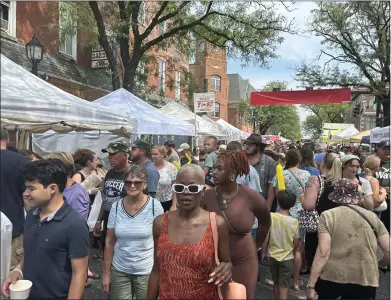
[204, 102]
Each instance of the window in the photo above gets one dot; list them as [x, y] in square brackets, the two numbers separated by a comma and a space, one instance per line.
[68, 42]
[140, 73]
[161, 28]
[142, 13]
[217, 110]
[177, 85]
[215, 83]
[162, 77]
[8, 17]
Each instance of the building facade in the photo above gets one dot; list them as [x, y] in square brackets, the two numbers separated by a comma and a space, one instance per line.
[239, 89]
[209, 70]
[69, 63]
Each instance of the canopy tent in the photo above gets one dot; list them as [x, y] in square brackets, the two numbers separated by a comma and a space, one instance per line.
[325, 96]
[236, 132]
[180, 112]
[145, 118]
[32, 104]
[330, 129]
[346, 133]
[356, 138]
[380, 134]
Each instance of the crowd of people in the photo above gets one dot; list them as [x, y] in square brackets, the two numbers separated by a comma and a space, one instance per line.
[155, 227]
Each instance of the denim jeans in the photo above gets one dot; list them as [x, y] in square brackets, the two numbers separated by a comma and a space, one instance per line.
[126, 286]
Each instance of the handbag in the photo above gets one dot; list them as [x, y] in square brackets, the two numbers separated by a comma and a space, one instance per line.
[309, 219]
[231, 290]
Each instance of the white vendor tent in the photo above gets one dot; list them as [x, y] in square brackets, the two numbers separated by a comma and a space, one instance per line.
[32, 104]
[236, 133]
[145, 118]
[180, 112]
[95, 141]
[344, 134]
[380, 134]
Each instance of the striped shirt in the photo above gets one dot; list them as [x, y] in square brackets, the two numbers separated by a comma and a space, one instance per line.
[133, 251]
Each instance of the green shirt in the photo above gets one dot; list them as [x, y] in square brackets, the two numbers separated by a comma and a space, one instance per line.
[384, 175]
[209, 163]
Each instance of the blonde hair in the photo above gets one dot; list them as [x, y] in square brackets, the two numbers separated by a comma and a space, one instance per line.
[331, 168]
[371, 163]
[161, 149]
[66, 158]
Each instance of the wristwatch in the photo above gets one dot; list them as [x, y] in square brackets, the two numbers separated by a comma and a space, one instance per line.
[310, 287]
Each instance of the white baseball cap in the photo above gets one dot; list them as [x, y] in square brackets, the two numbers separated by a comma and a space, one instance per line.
[183, 146]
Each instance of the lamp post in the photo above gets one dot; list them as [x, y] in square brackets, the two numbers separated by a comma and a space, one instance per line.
[34, 53]
[255, 117]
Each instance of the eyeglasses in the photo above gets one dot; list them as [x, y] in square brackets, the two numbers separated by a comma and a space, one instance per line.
[137, 184]
[191, 188]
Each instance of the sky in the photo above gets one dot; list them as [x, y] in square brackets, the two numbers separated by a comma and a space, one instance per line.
[291, 52]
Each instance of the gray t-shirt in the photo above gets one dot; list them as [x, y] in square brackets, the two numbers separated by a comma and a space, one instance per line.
[153, 177]
[113, 188]
[173, 157]
[266, 168]
[133, 251]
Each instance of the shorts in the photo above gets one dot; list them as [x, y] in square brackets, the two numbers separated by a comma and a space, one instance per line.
[282, 272]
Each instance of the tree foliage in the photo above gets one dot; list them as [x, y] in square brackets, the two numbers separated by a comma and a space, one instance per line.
[274, 119]
[247, 30]
[355, 33]
[324, 113]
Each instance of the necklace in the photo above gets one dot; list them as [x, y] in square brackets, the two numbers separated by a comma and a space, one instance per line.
[229, 198]
[189, 227]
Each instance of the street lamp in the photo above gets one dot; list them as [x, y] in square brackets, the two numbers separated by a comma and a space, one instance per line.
[255, 117]
[34, 53]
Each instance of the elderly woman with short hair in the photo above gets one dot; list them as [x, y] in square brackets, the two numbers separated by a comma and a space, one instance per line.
[346, 263]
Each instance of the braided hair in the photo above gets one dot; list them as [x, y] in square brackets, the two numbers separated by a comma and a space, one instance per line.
[236, 161]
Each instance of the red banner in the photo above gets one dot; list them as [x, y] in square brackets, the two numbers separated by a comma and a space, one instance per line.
[300, 97]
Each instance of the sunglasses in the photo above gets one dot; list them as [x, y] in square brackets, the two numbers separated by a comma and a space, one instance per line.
[191, 188]
[137, 184]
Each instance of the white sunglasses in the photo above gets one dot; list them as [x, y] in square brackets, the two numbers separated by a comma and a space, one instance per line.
[191, 188]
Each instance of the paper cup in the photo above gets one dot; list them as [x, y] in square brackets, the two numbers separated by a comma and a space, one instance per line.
[21, 289]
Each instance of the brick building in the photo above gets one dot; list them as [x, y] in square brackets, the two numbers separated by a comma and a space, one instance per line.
[68, 64]
[210, 74]
[239, 89]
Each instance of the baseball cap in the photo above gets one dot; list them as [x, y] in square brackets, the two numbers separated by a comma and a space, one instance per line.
[383, 144]
[183, 146]
[141, 144]
[116, 147]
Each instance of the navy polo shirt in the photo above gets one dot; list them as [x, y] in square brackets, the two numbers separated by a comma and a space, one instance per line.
[49, 247]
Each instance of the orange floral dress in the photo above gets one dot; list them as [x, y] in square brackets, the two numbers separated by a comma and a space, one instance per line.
[185, 269]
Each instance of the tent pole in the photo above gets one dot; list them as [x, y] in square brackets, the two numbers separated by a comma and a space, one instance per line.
[195, 124]
[16, 137]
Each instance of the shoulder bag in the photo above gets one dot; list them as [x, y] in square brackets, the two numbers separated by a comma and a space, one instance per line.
[231, 290]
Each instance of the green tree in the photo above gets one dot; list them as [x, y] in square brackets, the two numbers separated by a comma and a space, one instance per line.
[312, 126]
[355, 33]
[324, 113]
[247, 30]
[274, 119]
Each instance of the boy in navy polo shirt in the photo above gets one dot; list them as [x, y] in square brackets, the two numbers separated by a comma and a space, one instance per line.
[56, 238]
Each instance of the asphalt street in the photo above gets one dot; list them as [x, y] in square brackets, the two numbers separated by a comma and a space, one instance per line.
[264, 288]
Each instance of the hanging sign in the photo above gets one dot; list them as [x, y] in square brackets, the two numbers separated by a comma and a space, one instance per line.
[204, 102]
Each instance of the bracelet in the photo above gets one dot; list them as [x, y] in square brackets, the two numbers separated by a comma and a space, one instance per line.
[16, 269]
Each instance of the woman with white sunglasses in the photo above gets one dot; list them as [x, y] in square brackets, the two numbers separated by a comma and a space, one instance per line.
[128, 257]
[184, 265]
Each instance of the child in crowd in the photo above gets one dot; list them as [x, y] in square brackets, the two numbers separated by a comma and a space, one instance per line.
[283, 242]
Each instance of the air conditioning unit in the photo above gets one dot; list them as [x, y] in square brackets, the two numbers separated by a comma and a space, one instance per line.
[4, 25]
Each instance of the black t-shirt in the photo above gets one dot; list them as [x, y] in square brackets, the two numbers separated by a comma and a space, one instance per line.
[12, 188]
[113, 188]
[324, 202]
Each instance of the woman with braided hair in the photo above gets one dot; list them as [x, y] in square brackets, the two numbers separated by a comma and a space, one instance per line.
[239, 206]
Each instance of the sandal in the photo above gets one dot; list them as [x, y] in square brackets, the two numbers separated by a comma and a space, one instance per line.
[97, 256]
[94, 276]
